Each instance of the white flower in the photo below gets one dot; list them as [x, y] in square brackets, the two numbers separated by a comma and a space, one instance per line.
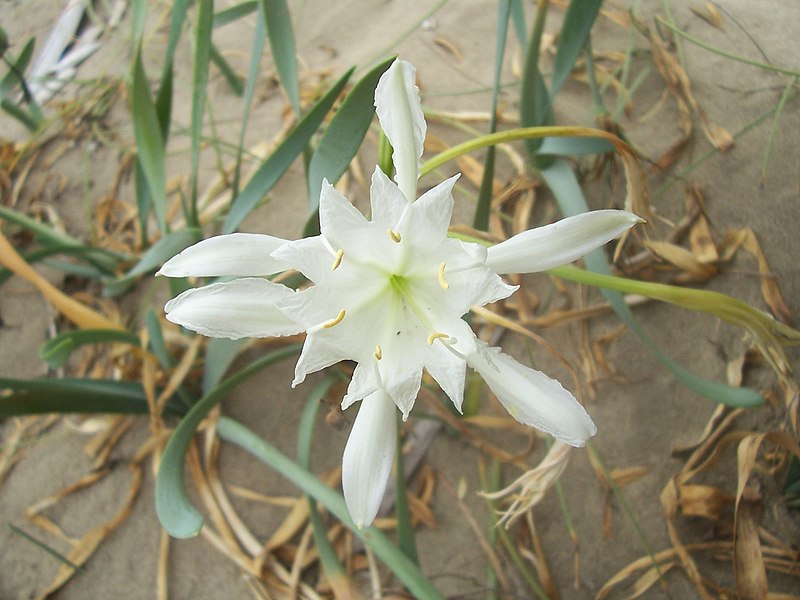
[389, 294]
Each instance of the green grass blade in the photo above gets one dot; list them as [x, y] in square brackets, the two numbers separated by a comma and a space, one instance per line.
[220, 354]
[234, 81]
[405, 570]
[534, 103]
[573, 146]
[344, 134]
[46, 548]
[27, 119]
[578, 22]
[149, 141]
[175, 510]
[202, 56]
[42, 396]
[164, 96]
[259, 38]
[273, 168]
[562, 182]
[56, 351]
[484, 207]
[12, 78]
[406, 539]
[235, 12]
[281, 42]
[331, 565]
[518, 18]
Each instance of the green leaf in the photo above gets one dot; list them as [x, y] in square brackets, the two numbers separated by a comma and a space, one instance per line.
[273, 168]
[41, 396]
[220, 354]
[202, 53]
[331, 565]
[56, 351]
[227, 71]
[405, 570]
[149, 140]
[344, 134]
[159, 253]
[164, 96]
[578, 22]
[235, 12]
[484, 207]
[155, 337]
[175, 511]
[12, 78]
[534, 103]
[281, 42]
[562, 182]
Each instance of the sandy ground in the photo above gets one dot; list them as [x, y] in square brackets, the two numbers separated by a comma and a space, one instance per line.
[642, 413]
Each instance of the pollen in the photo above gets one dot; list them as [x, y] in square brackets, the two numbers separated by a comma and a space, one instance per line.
[442, 280]
[335, 321]
[394, 235]
[378, 352]
[337, 260]
[437, 336]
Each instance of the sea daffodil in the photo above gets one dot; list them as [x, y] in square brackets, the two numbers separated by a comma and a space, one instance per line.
[389, 293]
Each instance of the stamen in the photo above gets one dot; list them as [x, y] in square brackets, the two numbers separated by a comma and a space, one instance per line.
[336, 321]
[442, 281]
[378, 352]
[394, 235]
[328, 246]
[338, 260]
[437, 336]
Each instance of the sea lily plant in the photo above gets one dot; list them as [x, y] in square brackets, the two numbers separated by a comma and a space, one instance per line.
[389, 293]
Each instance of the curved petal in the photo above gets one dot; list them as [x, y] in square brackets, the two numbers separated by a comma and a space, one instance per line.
[533, 398]
[386, 200]
[234, 309]
[238, 254]
[338, 218]
[400, 114]
[559, 243]
[431, 214]
[368, 457]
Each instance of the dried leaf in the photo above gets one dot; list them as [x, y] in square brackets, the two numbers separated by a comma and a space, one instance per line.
[628, 475]
[449, 47]
[703, 501]
[682, 259]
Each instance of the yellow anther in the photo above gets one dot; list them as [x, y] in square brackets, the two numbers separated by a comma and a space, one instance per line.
[394, 235]
[338, 260]
[442, 281]
[378, 352]
[436, 336]
[336, 321]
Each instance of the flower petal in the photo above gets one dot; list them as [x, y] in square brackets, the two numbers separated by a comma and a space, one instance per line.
[400, 114]
[386, 200]
[533, 398]
[368, 457]
[338, 218]
[234, 309]
[559, 243]
[238, 254]
[430, 218]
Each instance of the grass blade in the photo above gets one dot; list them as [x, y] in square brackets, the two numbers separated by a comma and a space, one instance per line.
[235, 12]
[281, 42]
[175, 510]
[534, 102]
[149, 141]
[406, 571]
[202, 56]
[482, 210]
[56, 351]
[575, 30]
[344, 135]
[272, 169]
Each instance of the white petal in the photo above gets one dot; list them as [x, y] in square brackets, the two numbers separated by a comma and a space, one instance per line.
[317, 354]
[364, 382]
[560, 243]
[238, 254]
[386, 200]
[428, 222]
[235, 309]
[400, 114]
[533, 398]
[368, 457]
[337, 216]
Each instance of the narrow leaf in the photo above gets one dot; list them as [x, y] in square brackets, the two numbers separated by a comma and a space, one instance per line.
[235, 12]
[273, 168]
[281, 42]
[175, 511]
[149, 140]
[202, 53]
[534, 102]
[344, 134]
[405, 570]
[578, 22]
[56, 351]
